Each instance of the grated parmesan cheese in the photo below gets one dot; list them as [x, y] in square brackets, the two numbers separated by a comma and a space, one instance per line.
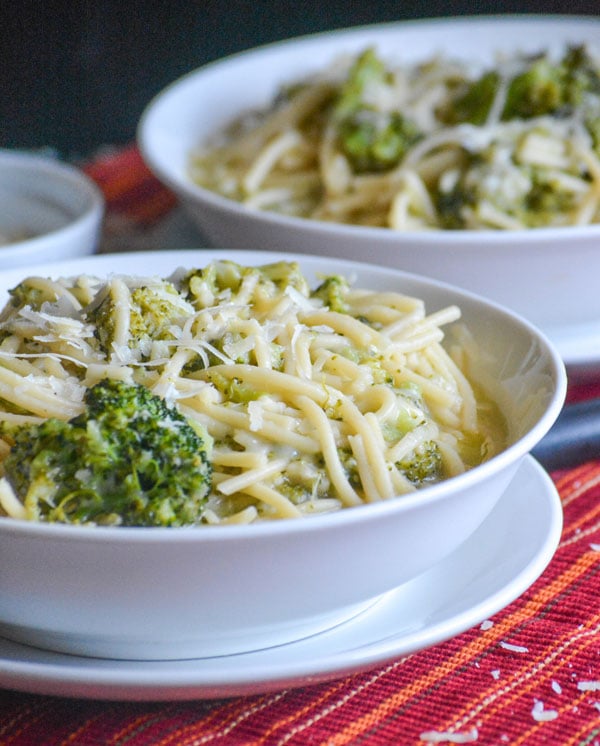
[588, 686]
[309, 410]
[514, 648]
[540, 715]
[433, 736]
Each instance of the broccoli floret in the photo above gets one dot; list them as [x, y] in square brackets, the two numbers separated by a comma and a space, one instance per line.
[202, 286]
[409, 417]
[473, 104]
[350, 465]
[545, 198]
[28, 294]
[581, 75]
[153, 310]
[129, 459]
[450, 205]
[285, 274]
[537, 91]
[233, 389]
[553, 89]
[542, 88]
[35, 292]
[593, 127]
[371, 140]
[214, 278]
[366, 71]
[583, 89]
[332, 291]
[424, 466]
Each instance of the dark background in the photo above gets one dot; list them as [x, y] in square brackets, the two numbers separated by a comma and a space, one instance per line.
[77, 75]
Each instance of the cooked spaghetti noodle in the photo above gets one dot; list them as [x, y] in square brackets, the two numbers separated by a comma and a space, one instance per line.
[437, 145]
[315, 399]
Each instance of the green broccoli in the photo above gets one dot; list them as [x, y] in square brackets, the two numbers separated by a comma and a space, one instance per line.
[371, 140]
[450, 204]
[332, 291]
[593, 127]
[283, 275]
[154, 309]
[537, 91]
[543, 199]
[202, 286]
[214, 278]
[542, 88]
[27, 293]
[473, 104]
[35, 292]
[367, 70]
[583, 89]
[424, 466]
[233, 389]
[350, 465]
[581, 75]
[129, 459]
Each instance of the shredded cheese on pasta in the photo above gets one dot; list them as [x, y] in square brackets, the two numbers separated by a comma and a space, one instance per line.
[311, 407]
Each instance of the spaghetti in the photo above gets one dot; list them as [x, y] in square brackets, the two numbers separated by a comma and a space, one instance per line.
[315, 399]
[441, 144]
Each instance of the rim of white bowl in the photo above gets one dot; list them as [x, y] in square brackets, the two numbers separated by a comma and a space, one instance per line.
[512, 454]
[89, 217]
[486, 239]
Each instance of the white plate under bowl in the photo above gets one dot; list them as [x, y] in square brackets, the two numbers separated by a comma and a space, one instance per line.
[506, 554]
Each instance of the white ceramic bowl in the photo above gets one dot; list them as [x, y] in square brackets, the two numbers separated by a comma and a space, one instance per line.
[48, 210]
[172, 593]
[548, 275]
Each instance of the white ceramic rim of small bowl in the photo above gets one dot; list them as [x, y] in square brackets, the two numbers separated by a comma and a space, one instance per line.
[362, 513]
[456, 238]
[74, 178]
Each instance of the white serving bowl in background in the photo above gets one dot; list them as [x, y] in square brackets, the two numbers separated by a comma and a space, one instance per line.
[49, 211]
[545, 274]
[167, 593]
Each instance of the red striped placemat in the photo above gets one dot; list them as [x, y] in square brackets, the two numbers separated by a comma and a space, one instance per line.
[131, 191]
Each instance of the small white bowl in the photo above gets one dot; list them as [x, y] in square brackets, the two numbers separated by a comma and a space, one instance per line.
[165, 593]
[546, 274]
[48, 210]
